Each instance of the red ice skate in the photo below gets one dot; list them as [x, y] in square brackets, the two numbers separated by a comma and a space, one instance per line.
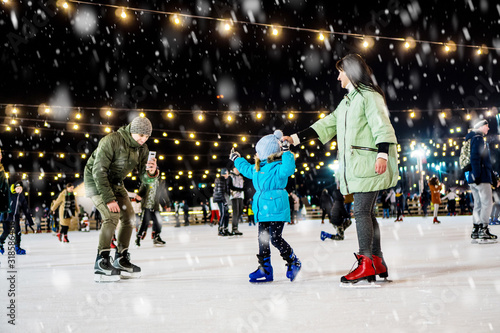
[365, 270]
[380, 266]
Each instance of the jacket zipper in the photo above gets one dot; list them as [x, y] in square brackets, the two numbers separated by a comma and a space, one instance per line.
[345, 165]
[363, 148]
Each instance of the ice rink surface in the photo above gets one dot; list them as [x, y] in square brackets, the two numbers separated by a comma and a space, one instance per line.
[198, 282]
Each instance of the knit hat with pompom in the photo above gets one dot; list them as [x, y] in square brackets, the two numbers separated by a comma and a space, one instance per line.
[268, 145]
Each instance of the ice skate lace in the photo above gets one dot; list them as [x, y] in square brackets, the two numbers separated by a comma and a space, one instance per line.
[358, 262]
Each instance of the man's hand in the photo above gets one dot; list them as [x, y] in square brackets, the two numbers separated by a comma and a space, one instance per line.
[380, 166]
[113, 207]
[151, 166]
[137, 197]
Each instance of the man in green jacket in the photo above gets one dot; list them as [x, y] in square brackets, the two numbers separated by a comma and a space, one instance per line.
[118, 154]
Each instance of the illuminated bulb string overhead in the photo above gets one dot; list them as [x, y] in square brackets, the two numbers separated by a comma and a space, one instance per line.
[275, 30]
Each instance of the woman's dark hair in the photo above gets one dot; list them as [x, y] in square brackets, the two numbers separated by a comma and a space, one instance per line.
[358, 72]
[434, 181]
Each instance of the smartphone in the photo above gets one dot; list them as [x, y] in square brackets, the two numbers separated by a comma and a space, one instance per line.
[152, 154]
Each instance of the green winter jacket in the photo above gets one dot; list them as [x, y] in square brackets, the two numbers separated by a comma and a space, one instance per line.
[115, 157]
[361, 121]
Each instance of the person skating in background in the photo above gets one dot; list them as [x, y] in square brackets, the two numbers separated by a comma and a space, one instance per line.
[348, 200]
[185, 209]
[85, 223]
[152, 195]
[28, 225]
[38, 219]
[4, 197]
[294, 207]
[117, 155]
[435, 186]
[400, 201]
[205, 210]
[495, 212]
[480, 178]
[274, 163]
[97, 217]
[12, 218]
[325, 203]
[407, 203]
[221, 191]
[386, 205]
[451, 196]
[68, 210]
[367, 157]
[339, 217]
[251, 215]
[236, 182]
[214, 214]
[424, 201]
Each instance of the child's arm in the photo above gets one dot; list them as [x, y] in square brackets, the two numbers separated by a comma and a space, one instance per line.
[287, 167]
[245, 168]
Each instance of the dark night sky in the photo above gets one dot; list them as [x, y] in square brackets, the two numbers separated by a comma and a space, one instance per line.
[90, 59]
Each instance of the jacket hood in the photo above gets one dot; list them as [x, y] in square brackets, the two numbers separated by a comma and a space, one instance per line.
[125, 133]
[472, 134]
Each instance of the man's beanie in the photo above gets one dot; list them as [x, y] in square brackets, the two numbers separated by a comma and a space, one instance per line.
[141, 125]
[480, 123]
[270, 144]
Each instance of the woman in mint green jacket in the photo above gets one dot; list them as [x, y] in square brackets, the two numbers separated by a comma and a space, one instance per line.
[367, 157]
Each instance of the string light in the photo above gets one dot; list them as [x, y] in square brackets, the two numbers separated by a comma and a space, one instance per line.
[175, 19]
[275, 30]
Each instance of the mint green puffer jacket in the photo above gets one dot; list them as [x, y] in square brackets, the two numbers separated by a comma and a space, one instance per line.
[360, 122]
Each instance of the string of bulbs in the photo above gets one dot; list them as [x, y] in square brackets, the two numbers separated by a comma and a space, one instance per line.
[228, 23]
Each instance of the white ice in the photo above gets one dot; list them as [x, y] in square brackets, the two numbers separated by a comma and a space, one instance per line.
[198, 282]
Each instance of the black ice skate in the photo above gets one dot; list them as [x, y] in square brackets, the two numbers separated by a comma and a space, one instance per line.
[475, 233]
[485, 237]
[126, 268]
[157, 241]
[103, 270]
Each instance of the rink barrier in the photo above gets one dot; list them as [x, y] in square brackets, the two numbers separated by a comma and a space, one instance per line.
[313, 212]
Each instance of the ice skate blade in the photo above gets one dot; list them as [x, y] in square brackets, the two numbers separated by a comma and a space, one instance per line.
[106, 278]
[128, 275]
[260, 281]
[485, 241]
[360, 284]
[159, 245]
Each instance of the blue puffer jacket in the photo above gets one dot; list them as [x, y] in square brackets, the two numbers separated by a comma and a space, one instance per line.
[270, 202]
[480, 159]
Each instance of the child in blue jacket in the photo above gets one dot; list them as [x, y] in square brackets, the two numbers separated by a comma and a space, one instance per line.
[274, 163]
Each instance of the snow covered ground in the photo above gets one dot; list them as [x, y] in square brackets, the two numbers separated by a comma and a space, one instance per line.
[198, 282]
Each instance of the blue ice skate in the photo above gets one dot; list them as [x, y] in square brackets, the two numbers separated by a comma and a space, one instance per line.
[20, 251]
[325, 235]
[294, 266]
[265, 271]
